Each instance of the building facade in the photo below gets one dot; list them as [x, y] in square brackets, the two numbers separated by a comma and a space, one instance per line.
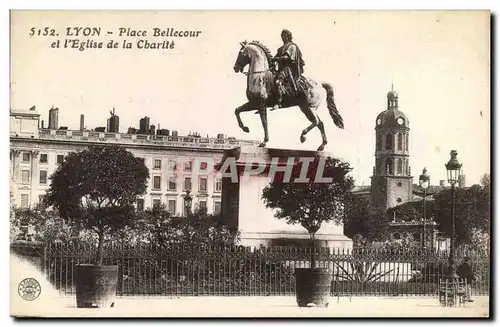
[176, 163]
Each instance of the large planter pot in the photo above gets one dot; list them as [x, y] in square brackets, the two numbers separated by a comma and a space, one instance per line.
[95, 286]
[313, 285]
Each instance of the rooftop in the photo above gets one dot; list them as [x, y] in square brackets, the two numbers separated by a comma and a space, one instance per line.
[137, 139]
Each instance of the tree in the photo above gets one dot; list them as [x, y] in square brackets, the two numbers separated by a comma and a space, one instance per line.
[472, 211]
[310, 203]
[96, 188]
[40, 224]
[198, 229]
[364, 222]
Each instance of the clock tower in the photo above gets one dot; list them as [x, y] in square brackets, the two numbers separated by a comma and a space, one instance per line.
[391, 183]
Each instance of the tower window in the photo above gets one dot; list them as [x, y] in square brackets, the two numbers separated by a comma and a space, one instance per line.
[400, 141]
[400, 167]
[379, 143]
[389, 167]
[399, 200]
[400, 184]
[406, 142]
[388, 141]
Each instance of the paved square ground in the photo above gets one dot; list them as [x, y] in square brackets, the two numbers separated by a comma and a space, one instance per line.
[256, 306]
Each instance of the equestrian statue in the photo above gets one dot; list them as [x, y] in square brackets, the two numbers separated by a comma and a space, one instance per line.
[277, 82]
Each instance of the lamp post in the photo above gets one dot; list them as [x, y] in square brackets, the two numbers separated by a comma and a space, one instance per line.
[188, 199]
[424, 184]
[453, 168]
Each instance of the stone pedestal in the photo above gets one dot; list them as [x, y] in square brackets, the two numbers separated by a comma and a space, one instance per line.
[244, 209]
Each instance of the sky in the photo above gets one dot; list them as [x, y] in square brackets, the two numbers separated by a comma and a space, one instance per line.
[438, 62]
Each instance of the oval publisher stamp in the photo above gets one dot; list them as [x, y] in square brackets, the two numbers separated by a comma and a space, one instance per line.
[29, 289]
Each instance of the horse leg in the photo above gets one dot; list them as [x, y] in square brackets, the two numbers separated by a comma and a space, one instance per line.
[240, 109]
[321, 127]
[263, 119]
[312, 118]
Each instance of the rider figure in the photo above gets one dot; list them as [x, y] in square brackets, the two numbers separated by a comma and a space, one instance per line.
[290, 67]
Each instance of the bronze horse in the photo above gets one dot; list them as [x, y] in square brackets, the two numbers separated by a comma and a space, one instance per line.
[261, 93]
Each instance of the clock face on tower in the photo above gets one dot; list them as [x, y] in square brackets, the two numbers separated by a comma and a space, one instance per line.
[379, 121]
[400, 121]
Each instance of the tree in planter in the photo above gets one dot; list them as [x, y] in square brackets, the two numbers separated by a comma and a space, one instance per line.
[96, 188]
[310, 203]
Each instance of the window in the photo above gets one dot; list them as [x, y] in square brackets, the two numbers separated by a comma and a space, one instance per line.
[400, 166]
[416, 236]
[43, 177]
[60, 158]
[203, 165]
[157, 164]
[24, 200]
[140, 204]
[217, 207]
[156, 203]
[406, 142]
[400, 184]
[389, 166]
[172, 206]
[26, 156]
[399, 199]
[388, 141]
[396, 236]
[202, 205]
[43, 158]
[400, 141]
[172, 183]
[218, 184]
[187, 184]
[157, 182]
[379, 142]
[25, 176]
[203, 184]
[188, 166]
[41, 197]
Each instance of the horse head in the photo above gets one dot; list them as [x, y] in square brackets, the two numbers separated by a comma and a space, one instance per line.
[243, 58]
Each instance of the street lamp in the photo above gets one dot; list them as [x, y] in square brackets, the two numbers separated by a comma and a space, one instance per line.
[188, 199]
[424, 184]
[453, 168]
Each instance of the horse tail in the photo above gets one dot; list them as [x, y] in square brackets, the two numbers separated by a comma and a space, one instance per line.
[332, 108]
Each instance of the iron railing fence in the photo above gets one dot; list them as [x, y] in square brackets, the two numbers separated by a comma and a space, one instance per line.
[177, 270]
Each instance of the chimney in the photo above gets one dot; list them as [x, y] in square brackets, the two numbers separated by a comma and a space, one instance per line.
[53, 118]
[82, 122]
[441, 183]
